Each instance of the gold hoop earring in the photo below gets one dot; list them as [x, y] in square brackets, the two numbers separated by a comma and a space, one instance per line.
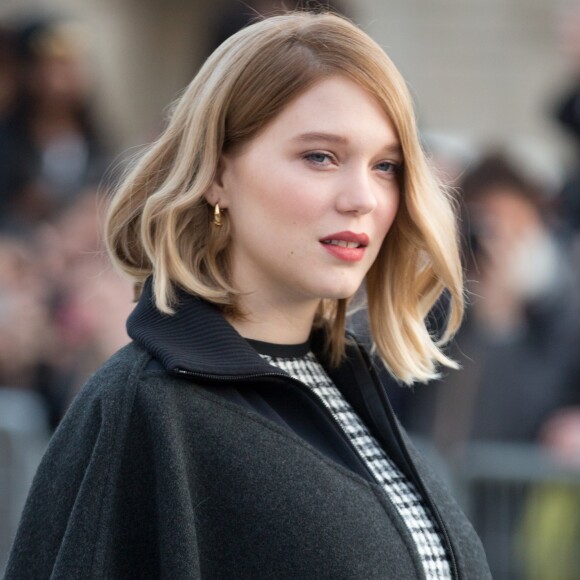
[217, 215]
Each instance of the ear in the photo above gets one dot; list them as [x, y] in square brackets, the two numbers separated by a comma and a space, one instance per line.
[217, 191]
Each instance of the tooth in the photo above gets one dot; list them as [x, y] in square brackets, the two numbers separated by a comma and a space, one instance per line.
[342, 243]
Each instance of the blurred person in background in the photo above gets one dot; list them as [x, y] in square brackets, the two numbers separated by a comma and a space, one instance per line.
[90, 301]
[520, 341]
[26, 336]
[50, 147]
[27, 341]
[62, 307]
[218, 444]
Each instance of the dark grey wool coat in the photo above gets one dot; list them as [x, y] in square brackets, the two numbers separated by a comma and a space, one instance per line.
[158, 471]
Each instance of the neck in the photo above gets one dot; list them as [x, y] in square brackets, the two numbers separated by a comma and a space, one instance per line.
[275, 323]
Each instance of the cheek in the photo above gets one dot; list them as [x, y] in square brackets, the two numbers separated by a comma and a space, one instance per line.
[293, 203]
[387, 213]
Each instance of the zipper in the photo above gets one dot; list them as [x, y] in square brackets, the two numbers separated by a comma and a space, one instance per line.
[418, 481]
[229, 377]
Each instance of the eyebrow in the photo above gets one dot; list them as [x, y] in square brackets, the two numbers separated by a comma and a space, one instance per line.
[391, 148]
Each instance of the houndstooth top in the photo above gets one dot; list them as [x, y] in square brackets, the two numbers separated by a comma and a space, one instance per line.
[400, 491]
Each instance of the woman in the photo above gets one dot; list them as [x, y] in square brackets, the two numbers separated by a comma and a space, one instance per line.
[241, 435]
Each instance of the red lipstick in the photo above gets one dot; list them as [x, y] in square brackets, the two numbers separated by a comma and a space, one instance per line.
[346, 246]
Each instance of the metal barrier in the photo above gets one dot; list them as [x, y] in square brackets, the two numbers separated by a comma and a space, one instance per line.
[526, 509]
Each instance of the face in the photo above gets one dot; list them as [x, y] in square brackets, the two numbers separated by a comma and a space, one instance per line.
[312, 197]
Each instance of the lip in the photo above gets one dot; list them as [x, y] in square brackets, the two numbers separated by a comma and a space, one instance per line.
[361, 239]
[342, 253]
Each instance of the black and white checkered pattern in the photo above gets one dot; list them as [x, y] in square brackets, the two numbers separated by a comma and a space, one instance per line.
[401, 492]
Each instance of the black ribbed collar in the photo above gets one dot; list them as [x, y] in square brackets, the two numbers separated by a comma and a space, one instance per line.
[196, 339]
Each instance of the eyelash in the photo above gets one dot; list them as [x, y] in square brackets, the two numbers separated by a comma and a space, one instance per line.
[393, 168]
[311, 155]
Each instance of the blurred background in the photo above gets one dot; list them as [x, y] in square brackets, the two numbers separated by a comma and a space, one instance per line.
[84, 83]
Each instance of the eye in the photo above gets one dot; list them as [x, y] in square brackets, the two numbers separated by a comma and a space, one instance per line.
[320, 158]
[389, 167]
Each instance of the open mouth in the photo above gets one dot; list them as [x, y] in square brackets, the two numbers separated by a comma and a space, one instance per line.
[343, 243]
[346, 246]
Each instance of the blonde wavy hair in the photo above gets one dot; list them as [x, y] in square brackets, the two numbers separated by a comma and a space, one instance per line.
[159, 223]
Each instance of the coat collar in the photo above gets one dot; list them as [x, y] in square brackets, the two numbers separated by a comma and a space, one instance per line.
[196, 338]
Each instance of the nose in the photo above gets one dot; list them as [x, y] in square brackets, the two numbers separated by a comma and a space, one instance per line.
[357, 193]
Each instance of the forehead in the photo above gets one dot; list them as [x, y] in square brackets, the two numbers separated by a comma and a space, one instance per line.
[338, 106]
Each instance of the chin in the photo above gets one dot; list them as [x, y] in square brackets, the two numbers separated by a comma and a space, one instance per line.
[340, 293]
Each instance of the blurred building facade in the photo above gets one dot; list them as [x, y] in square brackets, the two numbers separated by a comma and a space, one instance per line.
[484, 70]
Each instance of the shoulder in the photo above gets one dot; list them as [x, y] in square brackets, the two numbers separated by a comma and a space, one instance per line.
[103, 404]
[116, 379]
[122, 391]
[131, 387]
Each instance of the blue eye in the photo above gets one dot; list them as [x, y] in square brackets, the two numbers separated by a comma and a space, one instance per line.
[388, 167]
[319, 157]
